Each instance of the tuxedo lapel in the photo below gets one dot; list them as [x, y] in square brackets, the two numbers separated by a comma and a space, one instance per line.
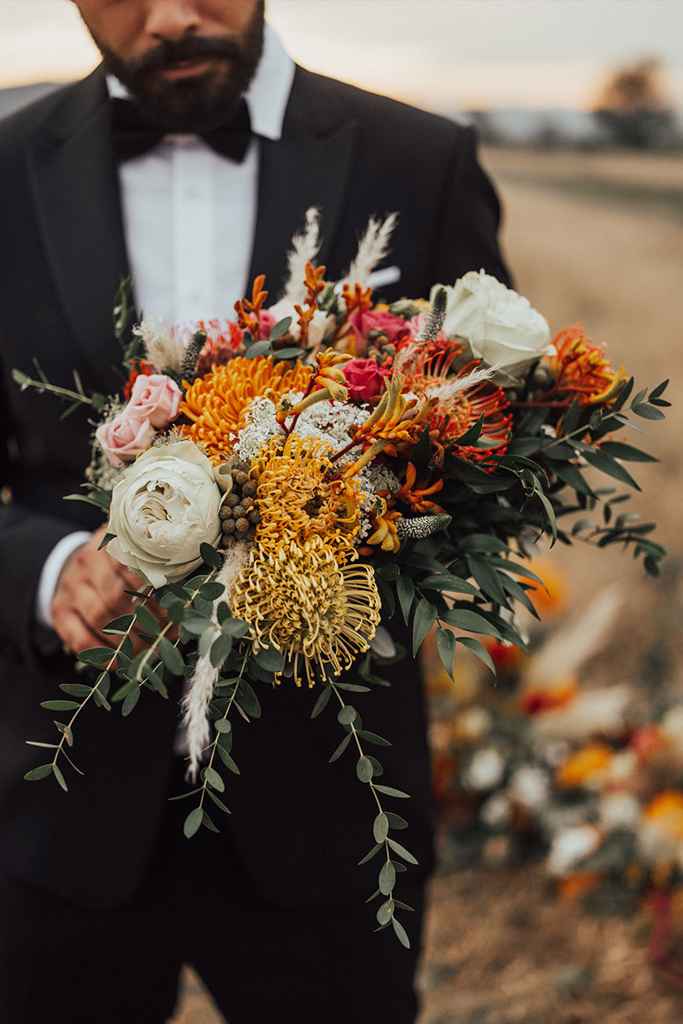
[308, 167]
[77, 193]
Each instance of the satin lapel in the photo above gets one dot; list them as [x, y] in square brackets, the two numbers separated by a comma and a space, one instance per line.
[77, 193]
[308, 167]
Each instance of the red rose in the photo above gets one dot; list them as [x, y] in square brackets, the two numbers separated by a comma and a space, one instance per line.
[364, 379]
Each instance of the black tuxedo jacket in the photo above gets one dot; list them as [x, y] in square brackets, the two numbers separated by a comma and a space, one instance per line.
[299, 824]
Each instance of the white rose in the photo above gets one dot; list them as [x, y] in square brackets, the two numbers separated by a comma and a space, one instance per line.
[165, 505]
[501, 326]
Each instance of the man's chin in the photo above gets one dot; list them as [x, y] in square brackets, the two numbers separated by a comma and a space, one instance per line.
[188, 102]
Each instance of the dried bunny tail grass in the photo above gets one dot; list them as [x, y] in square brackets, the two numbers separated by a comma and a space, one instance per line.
[372, 249]
[432, 324]
[436, 318]
[305, 248]
[164, 345]
[196, 702]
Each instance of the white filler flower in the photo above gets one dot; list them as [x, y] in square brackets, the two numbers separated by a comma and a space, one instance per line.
[501, 326]
[164, 507]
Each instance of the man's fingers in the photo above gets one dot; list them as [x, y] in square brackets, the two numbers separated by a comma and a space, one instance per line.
[92, 608]
[131, 579]
[74, 633]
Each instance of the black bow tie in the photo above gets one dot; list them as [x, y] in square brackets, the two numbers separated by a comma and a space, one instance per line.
[133, 135]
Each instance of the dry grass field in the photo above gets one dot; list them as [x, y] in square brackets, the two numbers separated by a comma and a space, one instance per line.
[596, 238]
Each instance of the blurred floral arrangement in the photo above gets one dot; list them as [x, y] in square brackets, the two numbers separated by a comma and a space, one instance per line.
[590, 780]
[290, 482]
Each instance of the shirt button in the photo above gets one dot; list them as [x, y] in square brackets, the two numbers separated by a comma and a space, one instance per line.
[191, 193]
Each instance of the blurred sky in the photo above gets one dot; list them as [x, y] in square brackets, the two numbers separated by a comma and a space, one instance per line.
[446, 54]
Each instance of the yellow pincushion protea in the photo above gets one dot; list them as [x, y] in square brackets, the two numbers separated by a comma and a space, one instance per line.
[299, 600]
[217, 403]
[298, 500]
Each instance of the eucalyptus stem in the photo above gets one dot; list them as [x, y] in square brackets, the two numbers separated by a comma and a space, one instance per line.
[224, 717]
[139, 675]
[67, 732]
[389, 906]
[41, 386]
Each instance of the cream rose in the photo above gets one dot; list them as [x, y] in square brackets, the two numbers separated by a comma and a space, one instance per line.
[501, 326]
[164, 507]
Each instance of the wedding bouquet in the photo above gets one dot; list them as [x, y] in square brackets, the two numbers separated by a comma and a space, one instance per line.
[289, 482]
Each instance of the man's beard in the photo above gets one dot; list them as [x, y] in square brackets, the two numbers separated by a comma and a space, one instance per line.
[197, 103]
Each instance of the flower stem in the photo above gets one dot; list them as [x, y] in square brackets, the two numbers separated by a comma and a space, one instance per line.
[68, 731]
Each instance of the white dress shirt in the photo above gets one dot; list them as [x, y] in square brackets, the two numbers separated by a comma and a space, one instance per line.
[189, 217]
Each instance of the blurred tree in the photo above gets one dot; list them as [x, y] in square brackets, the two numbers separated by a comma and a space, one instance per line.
[634, 104]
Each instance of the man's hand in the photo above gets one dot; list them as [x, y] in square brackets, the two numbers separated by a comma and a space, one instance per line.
[90, 592]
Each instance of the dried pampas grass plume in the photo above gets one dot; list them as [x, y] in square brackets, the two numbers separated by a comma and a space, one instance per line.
[372, 249]
[198, 697]
[305, 248]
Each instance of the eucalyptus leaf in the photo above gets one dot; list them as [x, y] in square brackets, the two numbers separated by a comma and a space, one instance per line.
[387, 878]
[193, 822]
[41, 772]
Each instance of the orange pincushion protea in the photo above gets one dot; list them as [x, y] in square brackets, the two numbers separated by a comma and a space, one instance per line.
[457, 405]
[454, 414]
[582, 369]
[217, 403]
[428, 362]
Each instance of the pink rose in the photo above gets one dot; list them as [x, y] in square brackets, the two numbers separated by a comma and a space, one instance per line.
[364, 379]
[370, 321]
[124, 437]
[155, 398]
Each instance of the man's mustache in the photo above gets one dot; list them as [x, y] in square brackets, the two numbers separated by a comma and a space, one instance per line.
[170, 52]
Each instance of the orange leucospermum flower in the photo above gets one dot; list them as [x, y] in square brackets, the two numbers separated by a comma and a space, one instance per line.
[582, 369]
[217, 403]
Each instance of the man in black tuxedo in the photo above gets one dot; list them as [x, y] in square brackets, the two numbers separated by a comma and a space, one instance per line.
[189, 159]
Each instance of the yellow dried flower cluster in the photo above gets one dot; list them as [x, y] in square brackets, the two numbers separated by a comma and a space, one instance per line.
[300, 592]
[298, 599]
[217, 403]
[298, 499]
